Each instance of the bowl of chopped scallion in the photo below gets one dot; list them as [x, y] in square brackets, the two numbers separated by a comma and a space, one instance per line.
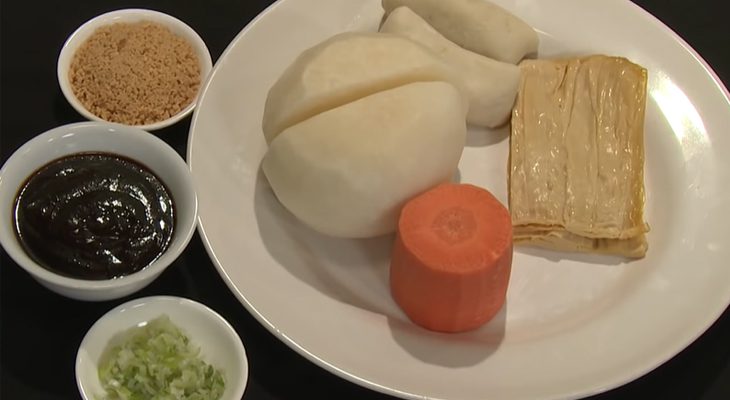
[161, 347]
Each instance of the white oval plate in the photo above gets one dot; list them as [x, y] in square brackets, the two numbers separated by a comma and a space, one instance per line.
[573, 325]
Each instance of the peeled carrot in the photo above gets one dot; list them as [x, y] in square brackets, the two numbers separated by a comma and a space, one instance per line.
[452, 258]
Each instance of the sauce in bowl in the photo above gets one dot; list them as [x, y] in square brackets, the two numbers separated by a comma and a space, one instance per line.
[94, 216]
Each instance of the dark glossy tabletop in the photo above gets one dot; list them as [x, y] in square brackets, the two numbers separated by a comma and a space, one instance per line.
[40, 331]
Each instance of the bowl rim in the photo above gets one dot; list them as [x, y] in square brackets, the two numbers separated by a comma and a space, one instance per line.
[135, 305]
[184, 229]
[72, 43]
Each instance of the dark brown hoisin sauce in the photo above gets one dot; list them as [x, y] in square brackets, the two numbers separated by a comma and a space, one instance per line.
[94, 216]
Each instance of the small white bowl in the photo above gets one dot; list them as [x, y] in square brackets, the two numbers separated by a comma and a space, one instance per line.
[219, 343]
[130, 16]
[130, 142]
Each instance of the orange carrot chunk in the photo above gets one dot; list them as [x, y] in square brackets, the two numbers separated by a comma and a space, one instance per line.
[452, 258]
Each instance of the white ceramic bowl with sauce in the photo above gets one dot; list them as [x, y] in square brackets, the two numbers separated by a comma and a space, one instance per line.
[130, 16]
[133, 143]
[220, 345]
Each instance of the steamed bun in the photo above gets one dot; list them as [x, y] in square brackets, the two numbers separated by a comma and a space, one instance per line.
[490, 85]
[477, 25]
[344, 68]
[347, 171]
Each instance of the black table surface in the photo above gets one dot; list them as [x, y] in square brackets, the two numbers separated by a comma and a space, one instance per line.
[40, 331]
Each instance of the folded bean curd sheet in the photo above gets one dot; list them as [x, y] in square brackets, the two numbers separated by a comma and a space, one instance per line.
[576, 178]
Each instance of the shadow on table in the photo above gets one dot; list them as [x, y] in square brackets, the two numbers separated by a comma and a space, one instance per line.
[40, 332]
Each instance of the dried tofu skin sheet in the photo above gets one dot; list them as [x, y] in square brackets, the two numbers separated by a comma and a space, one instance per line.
[577, 155]
[562, 240]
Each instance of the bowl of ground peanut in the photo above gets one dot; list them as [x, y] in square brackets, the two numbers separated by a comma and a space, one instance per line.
[134, 67]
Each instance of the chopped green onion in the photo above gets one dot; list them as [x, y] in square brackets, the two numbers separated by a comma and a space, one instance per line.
[158, 362]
